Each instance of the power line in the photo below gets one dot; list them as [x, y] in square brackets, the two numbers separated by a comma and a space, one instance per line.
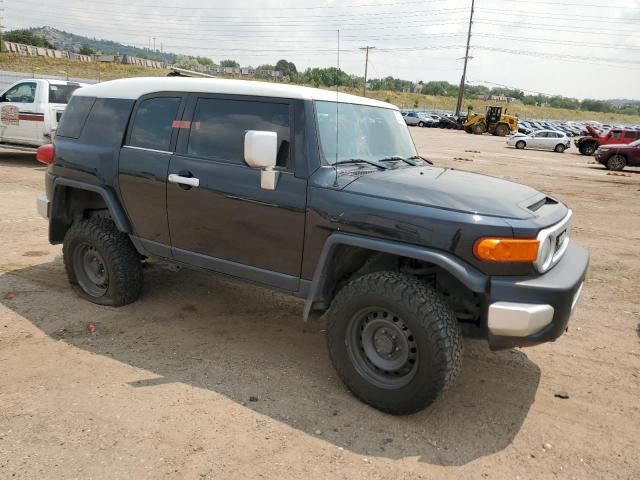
[556, 16]
[544, 26]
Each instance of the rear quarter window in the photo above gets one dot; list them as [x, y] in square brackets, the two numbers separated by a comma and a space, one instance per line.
[61, 93]
[107, 122]
[75, 116]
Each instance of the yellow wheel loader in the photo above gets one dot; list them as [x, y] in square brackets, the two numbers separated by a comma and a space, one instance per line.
[494, 122]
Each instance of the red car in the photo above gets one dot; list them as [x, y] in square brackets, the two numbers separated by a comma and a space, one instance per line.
[616, 157]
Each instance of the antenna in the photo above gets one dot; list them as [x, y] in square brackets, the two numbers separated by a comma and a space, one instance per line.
[335, 166]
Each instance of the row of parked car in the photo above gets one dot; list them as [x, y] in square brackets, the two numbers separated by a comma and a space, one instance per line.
[433, 120]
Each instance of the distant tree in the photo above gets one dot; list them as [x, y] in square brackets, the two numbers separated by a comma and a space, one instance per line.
[187, 62]
[229, 63]
[86, 50]
[27, 37]
[206, 61]
[288, 69]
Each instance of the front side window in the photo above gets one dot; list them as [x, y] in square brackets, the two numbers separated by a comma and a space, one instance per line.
[616, 134]
[362, 132]
[22, 93]
[153, 123]
[218, 128]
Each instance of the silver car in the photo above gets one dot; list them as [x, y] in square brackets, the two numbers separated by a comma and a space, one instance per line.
[541, 139]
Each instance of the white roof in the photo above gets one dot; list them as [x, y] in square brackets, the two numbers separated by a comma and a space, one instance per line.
[133, 88]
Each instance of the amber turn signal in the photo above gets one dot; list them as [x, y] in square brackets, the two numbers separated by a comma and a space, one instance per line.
[506, 249]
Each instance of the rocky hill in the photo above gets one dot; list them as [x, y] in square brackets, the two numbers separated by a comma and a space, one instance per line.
[72, 42]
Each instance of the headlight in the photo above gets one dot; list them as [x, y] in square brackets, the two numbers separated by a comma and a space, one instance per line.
[545, 254]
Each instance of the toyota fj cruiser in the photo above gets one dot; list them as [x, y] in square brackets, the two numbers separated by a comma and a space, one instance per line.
[319, 195]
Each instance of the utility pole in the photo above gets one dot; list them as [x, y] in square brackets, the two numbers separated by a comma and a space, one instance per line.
[366, 67]
[154, 44]
[466, 59]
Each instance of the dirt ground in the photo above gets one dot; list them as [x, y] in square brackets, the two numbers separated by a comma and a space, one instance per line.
[207, 378]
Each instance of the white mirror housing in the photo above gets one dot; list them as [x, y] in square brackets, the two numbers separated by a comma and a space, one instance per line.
[260, 148]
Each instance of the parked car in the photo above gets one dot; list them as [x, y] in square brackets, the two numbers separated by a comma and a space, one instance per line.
[393, 251]
[411, 118]
[431, 120]
[30, 110]
[616, 157]
[541, 139]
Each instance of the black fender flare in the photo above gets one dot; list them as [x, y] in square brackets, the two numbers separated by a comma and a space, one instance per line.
[465, 273]
[115, 209]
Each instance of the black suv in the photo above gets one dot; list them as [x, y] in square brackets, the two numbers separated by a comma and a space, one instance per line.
[319, 195]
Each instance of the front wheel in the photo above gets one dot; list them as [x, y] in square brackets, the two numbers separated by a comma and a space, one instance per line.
[393, 341]
[521, 144]
[102, 264]
[560, 148]
[421, 124]
[616, 163]
[587, 148]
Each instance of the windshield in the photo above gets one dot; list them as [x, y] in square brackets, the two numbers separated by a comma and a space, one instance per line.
[364, 133]
[59, 93]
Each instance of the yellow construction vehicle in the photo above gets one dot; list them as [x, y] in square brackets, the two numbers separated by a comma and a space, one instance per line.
[494, 122]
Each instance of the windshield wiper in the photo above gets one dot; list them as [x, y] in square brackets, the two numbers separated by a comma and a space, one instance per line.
[418, 157]
[360, 160]
[397, 157]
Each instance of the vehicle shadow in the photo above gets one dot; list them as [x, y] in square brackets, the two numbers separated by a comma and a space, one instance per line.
[19, 159]
[602, 168]
[243, 342]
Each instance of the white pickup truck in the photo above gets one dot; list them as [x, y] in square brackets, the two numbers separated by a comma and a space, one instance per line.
[30, 110]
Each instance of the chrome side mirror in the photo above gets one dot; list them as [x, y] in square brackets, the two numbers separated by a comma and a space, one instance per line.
[261, 151]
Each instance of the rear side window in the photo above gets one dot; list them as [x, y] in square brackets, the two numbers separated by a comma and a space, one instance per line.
[61, 93]
[152, 125]
[218, 127]
[107, 121]
[630, 134]
[74, 117]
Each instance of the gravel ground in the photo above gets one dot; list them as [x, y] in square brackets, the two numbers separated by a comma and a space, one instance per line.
[207, 378]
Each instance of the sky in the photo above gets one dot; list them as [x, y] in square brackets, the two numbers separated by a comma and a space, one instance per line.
[582, 49]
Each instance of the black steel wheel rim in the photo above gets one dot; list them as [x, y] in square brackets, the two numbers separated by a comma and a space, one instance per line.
[382, 348]
[90, 270]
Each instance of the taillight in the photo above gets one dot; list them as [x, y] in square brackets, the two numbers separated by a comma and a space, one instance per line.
[45, 153]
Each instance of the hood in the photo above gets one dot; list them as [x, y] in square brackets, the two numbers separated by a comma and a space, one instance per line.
[452, 190]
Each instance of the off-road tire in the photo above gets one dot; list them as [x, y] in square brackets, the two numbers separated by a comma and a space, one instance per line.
[560, 148]
[502, 130]
[468, 129]
[616, 163]
[588, 148]
[520, 144]
[428, 318]
[479, 128]
[120, 258]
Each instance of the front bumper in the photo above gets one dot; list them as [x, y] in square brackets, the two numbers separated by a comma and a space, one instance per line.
[42, 204]
[533, 310]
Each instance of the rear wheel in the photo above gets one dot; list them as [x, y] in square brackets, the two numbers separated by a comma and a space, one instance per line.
[521, 144]
[587, 148]
[102, 264]
[479, 128]
[502, 130]
[560, 148]
[421, 124]
[393, 341]
[616, 163]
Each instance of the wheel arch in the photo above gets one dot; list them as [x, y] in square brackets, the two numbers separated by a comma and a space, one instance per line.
[347, 254]
[74, 199]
